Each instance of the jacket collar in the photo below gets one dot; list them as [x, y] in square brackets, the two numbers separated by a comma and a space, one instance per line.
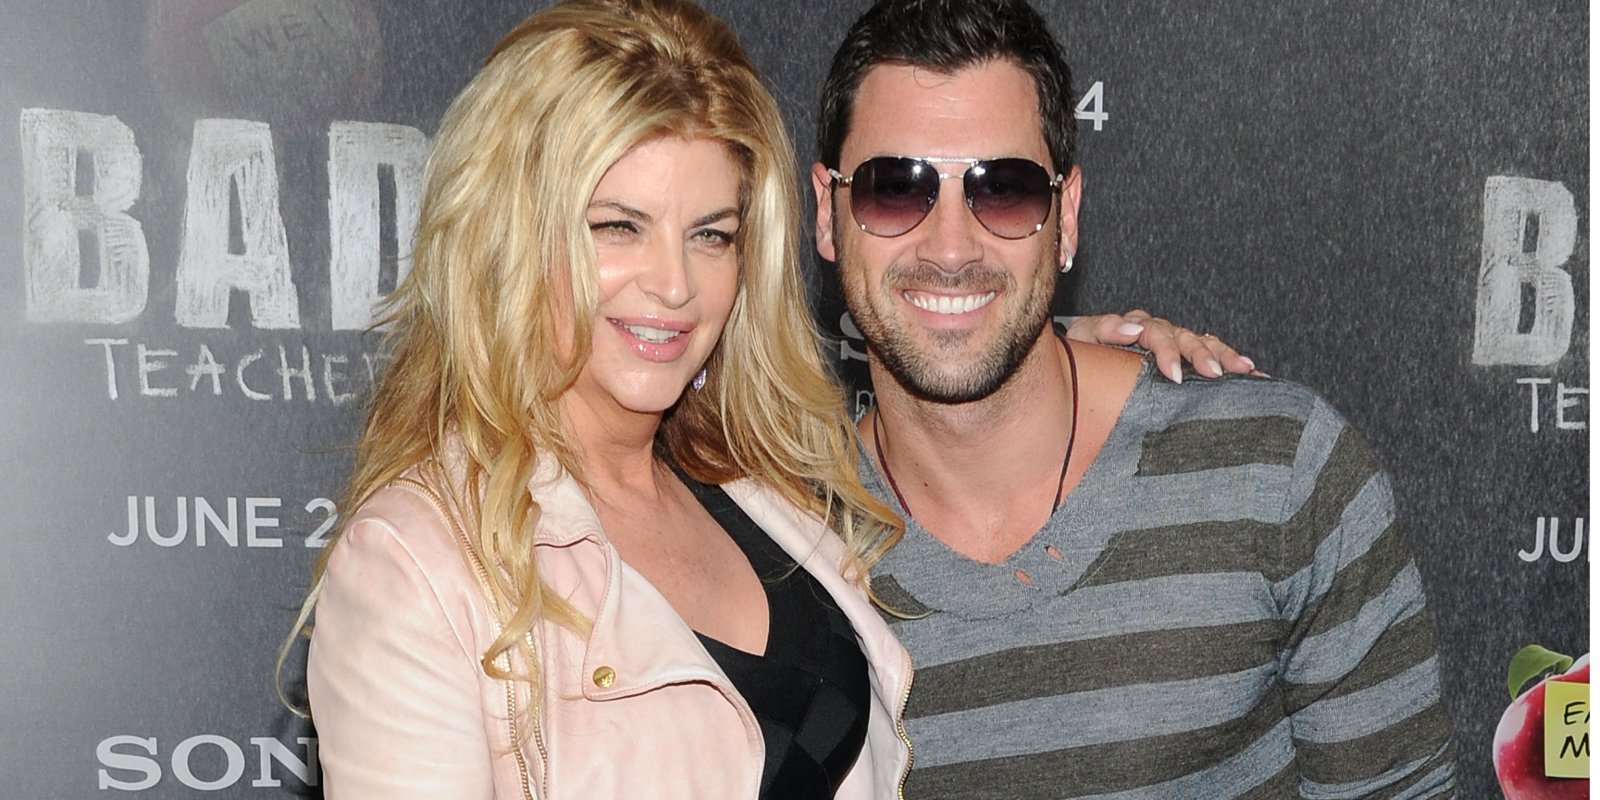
[565, 513]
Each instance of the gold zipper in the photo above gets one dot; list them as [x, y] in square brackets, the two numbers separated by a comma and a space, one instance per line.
[900, 727]
[505, 657]
[511, 723]
[538, 743]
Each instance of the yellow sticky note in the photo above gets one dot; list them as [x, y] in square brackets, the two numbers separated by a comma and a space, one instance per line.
[1566, 729]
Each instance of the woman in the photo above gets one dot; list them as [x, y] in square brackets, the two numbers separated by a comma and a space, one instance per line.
[567, 576]
[545, 584]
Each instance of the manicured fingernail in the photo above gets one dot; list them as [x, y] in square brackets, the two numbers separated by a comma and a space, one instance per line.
[1248, 363]
[1216, 366]
[1130, 329]
[1175, 374]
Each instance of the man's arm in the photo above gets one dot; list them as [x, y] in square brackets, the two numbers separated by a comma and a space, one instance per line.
[1360, 669]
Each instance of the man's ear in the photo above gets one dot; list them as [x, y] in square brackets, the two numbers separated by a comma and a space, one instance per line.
[822, 187]
[1071, 197]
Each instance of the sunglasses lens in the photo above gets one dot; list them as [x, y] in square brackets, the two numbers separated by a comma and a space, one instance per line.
[889, 196]
[1010, 196]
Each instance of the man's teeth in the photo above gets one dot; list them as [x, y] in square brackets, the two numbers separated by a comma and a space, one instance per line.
[652, 335]
[945, 304]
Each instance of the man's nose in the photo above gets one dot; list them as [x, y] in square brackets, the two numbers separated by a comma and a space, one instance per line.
[952, 236]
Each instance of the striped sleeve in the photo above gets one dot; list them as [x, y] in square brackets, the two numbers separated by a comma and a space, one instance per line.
[1360, 671]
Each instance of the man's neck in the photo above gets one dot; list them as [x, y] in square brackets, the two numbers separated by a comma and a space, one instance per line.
[982, 476]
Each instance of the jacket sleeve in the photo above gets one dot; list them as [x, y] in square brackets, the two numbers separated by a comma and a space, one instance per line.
[1360, 669]
[393, 688]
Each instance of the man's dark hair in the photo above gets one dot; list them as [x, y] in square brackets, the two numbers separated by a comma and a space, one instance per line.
[947, 36]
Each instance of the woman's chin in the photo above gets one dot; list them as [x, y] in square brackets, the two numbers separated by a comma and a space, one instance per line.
[650, 399]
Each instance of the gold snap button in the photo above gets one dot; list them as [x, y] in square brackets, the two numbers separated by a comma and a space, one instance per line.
[604, 677]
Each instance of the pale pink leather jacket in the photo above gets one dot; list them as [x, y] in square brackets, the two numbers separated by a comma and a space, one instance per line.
[639, 710]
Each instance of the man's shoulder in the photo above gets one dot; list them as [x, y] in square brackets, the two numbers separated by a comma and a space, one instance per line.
[1233, 421]
[1233, 405]
[1231, 397]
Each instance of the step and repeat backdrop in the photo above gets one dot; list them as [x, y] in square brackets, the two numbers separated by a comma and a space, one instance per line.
[200, 201]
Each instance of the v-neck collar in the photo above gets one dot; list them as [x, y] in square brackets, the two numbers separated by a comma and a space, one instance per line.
[1051, 561]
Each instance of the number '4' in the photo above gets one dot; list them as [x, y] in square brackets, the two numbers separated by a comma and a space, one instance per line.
[1093, 106]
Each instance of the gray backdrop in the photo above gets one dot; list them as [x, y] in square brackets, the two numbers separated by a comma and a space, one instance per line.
[1386, 201]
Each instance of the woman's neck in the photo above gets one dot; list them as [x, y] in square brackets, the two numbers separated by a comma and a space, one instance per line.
[617, 447]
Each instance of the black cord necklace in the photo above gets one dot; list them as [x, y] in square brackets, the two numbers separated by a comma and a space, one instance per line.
[1066, 461]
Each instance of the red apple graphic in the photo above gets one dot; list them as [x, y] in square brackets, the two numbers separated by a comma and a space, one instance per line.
[1519, 739]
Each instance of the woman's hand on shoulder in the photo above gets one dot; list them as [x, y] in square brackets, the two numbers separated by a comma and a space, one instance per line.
[1170, 343]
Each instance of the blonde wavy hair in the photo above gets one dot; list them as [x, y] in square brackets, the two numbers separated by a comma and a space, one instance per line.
[503, 246]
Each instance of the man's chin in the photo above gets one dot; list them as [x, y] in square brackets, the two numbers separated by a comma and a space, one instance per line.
[954, 366]
[927, 382]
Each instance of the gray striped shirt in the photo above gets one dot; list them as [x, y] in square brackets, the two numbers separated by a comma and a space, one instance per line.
[1222, 608]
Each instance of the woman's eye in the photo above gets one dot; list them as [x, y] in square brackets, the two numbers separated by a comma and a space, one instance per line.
[714, 236]
[613, 227]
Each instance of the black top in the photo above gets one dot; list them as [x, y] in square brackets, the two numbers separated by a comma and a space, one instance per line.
[810, 690]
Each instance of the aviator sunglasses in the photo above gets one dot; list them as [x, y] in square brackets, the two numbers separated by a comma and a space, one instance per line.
[890, 195]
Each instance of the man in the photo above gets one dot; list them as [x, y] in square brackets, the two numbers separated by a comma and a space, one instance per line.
[1111, 585]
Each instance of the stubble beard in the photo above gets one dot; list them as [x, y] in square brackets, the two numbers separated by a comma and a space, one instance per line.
[927, 372]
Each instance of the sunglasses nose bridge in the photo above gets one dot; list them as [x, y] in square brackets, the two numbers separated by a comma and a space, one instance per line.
[941, 193]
